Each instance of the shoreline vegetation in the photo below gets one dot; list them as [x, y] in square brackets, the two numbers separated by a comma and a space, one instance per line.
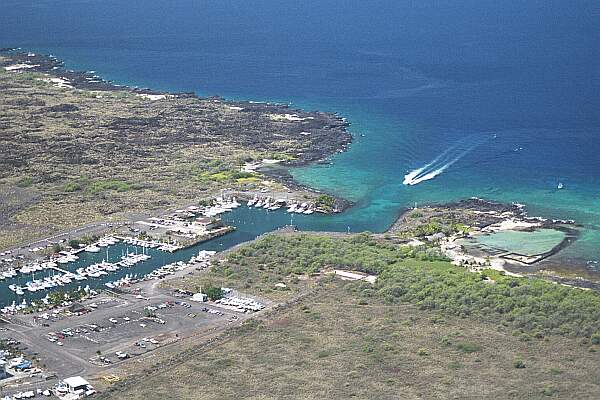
[458, 227]
[90, 151]
[77, 149]
[422, 309]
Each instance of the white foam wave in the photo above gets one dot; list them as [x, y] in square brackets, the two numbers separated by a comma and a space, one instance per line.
[438, 165]
[411, 176]
[418, 178]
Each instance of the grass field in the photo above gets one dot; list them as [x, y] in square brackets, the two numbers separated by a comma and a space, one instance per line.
[329, 347]
[338, 343]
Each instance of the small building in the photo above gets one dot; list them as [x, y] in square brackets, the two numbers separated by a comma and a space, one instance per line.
[354, 276]
[199, 297]
[209, 223]
[79, 386]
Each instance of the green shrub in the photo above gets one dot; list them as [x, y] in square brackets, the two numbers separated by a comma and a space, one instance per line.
[25, 182]
[242, 175]
[108, 185]
[454, 365]
[549, 391]
[530, 307]
[72, 187]
[468, 347]
[213, 292]
[325, 202]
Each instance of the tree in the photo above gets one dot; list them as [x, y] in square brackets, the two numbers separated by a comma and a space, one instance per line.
[213, 293]
[57, 297]
[325, 202]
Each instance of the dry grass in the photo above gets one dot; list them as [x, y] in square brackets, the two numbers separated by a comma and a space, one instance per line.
[330, 347]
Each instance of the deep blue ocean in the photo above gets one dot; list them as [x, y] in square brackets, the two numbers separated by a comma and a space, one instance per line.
[499, 100]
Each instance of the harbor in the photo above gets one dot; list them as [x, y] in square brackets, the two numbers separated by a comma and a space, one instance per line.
[133, 319]
[125, 256]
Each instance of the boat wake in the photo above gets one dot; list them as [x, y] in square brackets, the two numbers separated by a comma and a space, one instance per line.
[442, 162]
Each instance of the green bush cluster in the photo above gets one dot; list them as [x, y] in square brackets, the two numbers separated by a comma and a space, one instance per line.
[532, 307]
[98, 186]
[25, 182]
[325, 201]
[111, 184]
[301, 254]
[213, 292]
[432, 227]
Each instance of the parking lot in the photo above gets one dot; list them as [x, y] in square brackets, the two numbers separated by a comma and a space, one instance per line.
[132, 330]
[114, 330]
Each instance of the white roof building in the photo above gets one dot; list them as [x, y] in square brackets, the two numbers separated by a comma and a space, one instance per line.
[77, 383]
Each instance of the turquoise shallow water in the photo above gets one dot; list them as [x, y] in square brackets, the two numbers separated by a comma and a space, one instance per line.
[524, 243]
[500, 99]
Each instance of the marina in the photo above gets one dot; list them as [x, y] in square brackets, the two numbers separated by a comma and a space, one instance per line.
[123, 257]
[295, 113]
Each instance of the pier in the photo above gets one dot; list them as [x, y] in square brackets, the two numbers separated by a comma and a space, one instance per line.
[59, 270]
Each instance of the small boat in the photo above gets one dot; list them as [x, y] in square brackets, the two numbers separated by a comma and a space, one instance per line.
[92, 248]
[560, 185]
[303, 207]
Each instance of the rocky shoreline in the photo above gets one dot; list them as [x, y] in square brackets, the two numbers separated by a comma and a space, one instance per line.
[76, 148]
[328, 131]
[481, 217]
[480, 214]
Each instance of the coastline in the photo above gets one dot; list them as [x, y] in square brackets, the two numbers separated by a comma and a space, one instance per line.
[329, 136]
[336, 137]
[482, 218]
[263, 130]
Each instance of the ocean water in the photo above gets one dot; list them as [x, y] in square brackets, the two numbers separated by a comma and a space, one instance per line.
[476, 98]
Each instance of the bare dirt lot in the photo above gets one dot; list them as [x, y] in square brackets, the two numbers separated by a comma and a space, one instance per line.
[330, 347]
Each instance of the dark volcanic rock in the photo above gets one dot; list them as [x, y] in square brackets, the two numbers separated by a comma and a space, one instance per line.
[62, 108]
